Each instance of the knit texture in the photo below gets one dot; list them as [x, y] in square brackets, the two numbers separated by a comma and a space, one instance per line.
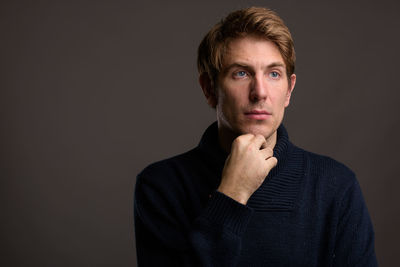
[308, 212]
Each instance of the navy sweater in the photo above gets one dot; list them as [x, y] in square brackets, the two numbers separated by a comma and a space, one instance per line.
[308, 212]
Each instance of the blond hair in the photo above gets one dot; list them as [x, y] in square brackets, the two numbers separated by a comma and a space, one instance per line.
[259, 21]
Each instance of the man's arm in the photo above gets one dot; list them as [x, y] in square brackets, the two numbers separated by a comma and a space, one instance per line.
[355, 235]
[214, 237]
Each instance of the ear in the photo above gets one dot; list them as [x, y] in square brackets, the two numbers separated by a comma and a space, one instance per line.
[290, 89]
[208, 89]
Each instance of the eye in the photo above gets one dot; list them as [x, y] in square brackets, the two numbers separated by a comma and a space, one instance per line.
[240, 74]
[274, 74]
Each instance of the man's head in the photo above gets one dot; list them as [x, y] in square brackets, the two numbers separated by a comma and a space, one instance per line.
[259, 21]
[246, 66]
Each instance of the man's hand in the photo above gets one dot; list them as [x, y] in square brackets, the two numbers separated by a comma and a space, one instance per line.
[246, 167]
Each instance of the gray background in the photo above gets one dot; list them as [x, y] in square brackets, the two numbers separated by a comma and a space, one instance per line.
[93, 91]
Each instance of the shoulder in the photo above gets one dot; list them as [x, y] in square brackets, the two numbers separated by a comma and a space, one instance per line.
[329, 183]
[320, 163]
[167, 168]
[161, 184]
[329, 171]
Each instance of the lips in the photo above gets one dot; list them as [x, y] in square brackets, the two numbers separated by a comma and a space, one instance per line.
[257, 114]
[257, 111]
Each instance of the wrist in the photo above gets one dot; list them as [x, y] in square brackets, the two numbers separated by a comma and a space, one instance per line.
[240, 197]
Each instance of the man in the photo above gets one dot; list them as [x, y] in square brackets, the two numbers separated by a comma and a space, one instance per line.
[246, 196]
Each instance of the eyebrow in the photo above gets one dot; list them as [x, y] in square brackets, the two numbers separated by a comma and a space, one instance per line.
[246, 66]
[276, 64]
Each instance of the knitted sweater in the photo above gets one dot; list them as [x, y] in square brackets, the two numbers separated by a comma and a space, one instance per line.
[308, 212]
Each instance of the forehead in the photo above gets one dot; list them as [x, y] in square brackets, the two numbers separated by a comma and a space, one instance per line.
[251, 50]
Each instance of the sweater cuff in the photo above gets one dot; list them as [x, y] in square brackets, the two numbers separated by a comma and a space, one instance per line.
[223, 210]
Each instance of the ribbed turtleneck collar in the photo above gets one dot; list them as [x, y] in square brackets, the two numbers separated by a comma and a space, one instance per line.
[282, 183]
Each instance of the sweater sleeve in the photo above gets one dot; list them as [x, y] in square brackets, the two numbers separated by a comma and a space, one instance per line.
[165, 236]
[355, 235]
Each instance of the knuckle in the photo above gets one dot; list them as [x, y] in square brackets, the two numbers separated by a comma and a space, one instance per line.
[259, 137]
[268, 153]
[242, 138]
[248, 136]
[270, 163]
[238, 140]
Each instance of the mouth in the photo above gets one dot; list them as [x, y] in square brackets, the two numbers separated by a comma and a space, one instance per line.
[257, 114]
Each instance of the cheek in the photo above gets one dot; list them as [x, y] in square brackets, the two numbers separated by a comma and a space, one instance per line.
[229, 97]
[229, 105]
[281, 97]
[226, 104]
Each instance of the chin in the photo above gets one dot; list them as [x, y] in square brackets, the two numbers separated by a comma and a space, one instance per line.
[263, 130]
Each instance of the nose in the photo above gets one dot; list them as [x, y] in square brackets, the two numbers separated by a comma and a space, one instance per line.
[258, 90]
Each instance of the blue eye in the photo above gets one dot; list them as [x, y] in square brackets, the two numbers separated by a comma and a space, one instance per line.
[274, 74]
[240, 74]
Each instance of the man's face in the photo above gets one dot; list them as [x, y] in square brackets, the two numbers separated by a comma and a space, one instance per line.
[253, 89]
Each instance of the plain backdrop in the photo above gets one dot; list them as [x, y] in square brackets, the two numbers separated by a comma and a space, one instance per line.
[93, 91]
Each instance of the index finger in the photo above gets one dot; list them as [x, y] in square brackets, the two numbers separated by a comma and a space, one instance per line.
[259, 141]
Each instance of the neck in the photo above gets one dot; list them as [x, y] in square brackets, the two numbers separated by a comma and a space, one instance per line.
[226, 137]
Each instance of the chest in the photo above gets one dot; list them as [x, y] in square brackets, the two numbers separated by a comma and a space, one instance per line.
[285, 239]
